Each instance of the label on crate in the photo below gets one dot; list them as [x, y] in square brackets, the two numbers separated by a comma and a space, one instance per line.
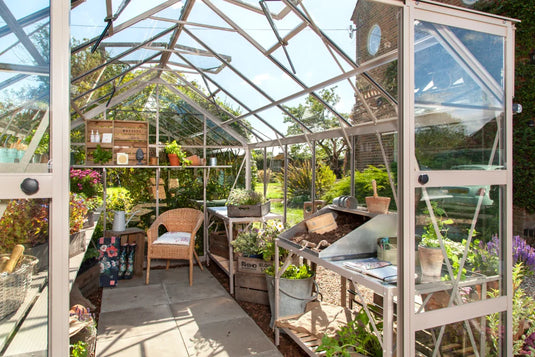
[252, 265]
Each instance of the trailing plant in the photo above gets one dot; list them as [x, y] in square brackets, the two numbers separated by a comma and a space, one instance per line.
[239, 196]
[358, 336]
[102, 156]
[299, 178]
[292, 272]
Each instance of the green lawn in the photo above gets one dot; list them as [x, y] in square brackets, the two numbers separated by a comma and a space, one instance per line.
[274, 191]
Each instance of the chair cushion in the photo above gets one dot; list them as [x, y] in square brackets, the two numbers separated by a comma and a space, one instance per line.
[179, 238]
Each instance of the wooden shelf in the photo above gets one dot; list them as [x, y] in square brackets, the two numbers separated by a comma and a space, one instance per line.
[126, 137]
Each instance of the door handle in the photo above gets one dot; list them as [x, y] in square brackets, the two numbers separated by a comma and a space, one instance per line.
[29, 186]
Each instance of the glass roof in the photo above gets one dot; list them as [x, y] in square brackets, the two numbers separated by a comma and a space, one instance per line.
[249, 68]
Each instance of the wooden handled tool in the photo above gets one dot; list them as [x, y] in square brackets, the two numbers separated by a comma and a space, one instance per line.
[16, 254]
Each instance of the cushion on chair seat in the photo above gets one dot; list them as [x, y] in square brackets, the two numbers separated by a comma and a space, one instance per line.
[179, 238]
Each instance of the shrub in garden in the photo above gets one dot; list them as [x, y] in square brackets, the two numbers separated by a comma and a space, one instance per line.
[300, 181]
[363, 185]
[260, 176]
[86, 182]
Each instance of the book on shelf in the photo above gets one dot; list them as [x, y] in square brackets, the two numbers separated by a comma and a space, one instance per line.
[374, 267]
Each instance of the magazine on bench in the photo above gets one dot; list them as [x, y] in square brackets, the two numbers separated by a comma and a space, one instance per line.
[379, 269]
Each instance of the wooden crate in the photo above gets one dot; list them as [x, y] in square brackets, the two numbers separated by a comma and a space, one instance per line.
[219, 244]
[249, 210]
[127, 137]
[252, 265]
[251, 288]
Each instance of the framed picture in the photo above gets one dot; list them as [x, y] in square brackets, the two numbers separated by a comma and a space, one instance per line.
[122, 158]
[106, 138]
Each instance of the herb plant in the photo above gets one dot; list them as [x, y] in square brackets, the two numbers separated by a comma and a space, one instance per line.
[238, 197]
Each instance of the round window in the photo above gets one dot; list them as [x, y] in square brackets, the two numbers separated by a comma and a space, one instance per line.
[374, 39]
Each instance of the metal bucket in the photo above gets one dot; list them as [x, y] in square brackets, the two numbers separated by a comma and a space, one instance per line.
[294, 294]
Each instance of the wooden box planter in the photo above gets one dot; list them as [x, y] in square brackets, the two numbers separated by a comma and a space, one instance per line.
[127, 138]
[249, 210]
[251, 287]
[219, 244]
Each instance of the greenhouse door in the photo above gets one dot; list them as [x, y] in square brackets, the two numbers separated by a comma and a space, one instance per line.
[34, 164]
[457, 85]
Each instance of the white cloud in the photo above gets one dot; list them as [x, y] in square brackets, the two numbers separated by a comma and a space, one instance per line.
[260, 78]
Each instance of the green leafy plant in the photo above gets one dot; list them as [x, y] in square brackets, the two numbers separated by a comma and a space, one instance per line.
[119, 200]
[79, 349]
[102, 156]
[357, 336]
[292, 272]
[238, 197]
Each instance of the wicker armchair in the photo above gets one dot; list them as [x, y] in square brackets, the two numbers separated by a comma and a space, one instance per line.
[178, 242]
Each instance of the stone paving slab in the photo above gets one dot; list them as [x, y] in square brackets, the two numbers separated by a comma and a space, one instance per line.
[170, 318]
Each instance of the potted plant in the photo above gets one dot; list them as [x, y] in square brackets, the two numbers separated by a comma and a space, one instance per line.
[256, 246]
[247, 203]
[295, 290]
[119, 202]
[175, 154]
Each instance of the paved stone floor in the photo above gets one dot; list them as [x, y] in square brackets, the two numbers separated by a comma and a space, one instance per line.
[170, 318]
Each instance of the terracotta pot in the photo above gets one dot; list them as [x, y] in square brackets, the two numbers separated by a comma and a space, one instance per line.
[173, 159]
[430, 260]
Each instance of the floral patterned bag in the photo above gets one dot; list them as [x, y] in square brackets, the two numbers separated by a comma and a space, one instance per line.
[109, 261]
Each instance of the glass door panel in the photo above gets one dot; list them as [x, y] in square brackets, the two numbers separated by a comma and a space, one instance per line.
[25, 198]
[459, 234]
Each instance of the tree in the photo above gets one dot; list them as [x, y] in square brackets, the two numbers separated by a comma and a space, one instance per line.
[317, 118]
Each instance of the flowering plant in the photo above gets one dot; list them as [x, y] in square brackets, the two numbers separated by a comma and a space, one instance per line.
[257, 241]
[86, 182]
[78, 212]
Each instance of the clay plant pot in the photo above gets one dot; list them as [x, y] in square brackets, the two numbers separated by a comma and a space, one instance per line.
[430, 260]
[173, 159]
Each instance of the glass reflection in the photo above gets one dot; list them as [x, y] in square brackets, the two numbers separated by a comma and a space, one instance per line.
[481, 336]
[458, 237]
[458, 88]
